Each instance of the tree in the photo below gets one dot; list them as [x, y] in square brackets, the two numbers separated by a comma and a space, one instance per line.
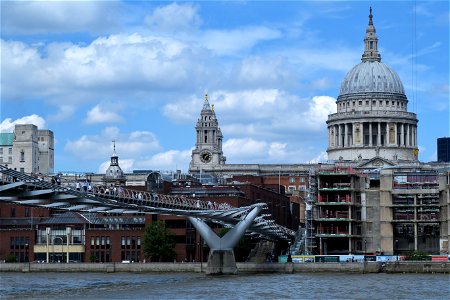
[159, 242]
[417, 255]
[92, 258]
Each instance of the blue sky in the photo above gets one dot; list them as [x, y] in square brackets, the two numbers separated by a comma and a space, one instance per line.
[136, 72]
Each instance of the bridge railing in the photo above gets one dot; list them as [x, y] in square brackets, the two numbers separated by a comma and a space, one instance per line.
[117, 196]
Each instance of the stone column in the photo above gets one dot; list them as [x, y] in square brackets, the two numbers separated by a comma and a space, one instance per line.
[402, 134]
[370, 134]
[339, 135]
[346, 135]
[407, 136]
[335, 136]
[395, 135]
[387, 134]
[415, 136]
[379, 135]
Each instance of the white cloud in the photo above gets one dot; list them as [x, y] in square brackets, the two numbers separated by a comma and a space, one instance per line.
[162, 161]
[35, 17]
[98, 115]
[174, 18]
[245, 148]
[322, 157]
[95, 147]
[319, 109]
[8, 124]
[227, 42]
[65, 111]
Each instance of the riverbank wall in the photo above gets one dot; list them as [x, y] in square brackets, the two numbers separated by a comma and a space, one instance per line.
[357, 267]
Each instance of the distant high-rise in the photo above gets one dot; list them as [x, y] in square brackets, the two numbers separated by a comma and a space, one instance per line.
[443, 149]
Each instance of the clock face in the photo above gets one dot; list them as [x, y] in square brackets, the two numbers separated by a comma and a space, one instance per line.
[205, 156]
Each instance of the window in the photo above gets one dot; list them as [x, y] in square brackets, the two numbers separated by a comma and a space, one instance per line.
[302, 179]
[371, 44]
[1, 151]
[13, 212]
[22, 170]
[291, 189]
[27, 211]
[10, 151]
[367, 102]
[292, 179]
[359, 102]
[374, 103]
[22, 156]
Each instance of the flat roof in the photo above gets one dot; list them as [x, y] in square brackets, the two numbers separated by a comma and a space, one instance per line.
[6, 139]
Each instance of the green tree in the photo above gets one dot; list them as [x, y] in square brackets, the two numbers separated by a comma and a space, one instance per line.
[417, 255]
[92, 258]
[11, 259]
[159, 242]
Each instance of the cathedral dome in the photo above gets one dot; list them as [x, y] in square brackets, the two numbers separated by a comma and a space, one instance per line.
[371, 76]
[114, 172]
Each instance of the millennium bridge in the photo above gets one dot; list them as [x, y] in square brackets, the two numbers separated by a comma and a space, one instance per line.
[19, 188]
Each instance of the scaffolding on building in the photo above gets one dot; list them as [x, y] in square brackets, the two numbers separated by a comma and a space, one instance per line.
[310, 240]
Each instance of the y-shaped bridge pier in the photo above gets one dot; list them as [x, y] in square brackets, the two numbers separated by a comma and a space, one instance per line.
[19, 188]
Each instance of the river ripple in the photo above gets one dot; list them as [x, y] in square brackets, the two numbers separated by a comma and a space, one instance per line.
[199, 286]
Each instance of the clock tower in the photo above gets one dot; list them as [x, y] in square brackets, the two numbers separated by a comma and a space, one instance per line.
[208, 147]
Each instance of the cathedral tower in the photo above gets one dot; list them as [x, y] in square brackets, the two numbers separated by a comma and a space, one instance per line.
[208, 147]
[372, 119]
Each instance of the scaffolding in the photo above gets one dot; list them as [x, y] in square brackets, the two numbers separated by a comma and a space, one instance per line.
[310, 240]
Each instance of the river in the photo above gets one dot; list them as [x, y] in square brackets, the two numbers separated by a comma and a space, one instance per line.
[199, 286]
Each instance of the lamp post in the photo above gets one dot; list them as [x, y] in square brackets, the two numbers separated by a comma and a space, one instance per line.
[47, 232]
[26, 253]
[396, 249]
[289, 258]
[68, 233]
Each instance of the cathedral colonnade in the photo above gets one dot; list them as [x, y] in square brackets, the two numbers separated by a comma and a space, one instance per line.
[372, 134]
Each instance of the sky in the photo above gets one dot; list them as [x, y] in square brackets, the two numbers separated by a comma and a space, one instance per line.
[136, 72]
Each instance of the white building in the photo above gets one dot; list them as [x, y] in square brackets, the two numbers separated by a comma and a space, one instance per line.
[28, 149]
[372, 119]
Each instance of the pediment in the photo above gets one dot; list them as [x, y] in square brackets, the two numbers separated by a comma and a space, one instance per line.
[376, 162]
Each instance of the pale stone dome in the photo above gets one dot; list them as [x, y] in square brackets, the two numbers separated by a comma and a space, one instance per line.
[114, 172]
[371, 76]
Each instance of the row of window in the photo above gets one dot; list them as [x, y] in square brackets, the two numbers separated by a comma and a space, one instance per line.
[131, 242]
[13, 212]
[9, 151]
[4, 161]
[374, 103]
[293, 179]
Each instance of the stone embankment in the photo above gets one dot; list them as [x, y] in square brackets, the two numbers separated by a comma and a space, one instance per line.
[368, 267]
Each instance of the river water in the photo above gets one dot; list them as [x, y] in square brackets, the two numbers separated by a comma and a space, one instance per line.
[200, 286]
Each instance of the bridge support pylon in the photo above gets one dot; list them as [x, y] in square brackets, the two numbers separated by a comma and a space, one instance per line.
[221, 258]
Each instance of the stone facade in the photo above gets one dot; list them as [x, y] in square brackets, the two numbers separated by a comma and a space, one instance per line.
[208, 147]
[372, 118]
[28, 149]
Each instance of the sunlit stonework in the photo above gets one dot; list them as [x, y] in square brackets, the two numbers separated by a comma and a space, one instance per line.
[372, 118]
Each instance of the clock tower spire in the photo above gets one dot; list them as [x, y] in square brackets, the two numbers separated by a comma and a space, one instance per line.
[208, 147]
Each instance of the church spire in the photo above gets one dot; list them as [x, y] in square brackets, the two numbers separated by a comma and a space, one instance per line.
[371, 42]
[114, 157]
[206, 103]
